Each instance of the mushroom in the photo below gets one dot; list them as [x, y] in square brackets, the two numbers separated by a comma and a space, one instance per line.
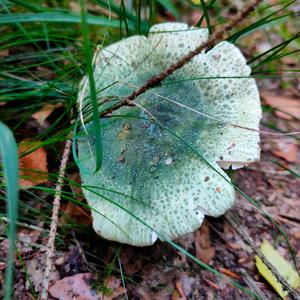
[153, 182]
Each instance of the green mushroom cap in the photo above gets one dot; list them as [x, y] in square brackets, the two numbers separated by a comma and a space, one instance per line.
[153, 182]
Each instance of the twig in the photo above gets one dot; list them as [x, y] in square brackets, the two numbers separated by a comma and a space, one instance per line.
[122, 276]
[210, 117]
[28, 226]
[253, 284]
[81, 252]
[155, 80]
[236, 224]
[54, 219]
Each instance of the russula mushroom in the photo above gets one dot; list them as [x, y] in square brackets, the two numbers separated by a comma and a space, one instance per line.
[151, 182]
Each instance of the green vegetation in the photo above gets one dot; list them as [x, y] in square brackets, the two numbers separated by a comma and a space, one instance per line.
[46, 49]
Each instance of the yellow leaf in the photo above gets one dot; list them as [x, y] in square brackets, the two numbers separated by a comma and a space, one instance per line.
[283, 267]
[196, 1]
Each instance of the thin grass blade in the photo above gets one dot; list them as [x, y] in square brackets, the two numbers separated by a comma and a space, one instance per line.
[170, 6]
[93, 92]
[9, 159]
[55, 17]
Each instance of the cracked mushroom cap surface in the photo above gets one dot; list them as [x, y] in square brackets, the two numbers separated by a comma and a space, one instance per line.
[153, 181]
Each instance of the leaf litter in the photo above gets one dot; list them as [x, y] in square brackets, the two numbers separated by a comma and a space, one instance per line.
[33, 166]
[160, 272]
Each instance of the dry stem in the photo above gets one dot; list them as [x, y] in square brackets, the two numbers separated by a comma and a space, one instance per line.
[54, 219]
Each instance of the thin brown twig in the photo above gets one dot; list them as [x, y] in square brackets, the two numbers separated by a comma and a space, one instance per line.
[212, 118]
[217, 36]
[54, 219]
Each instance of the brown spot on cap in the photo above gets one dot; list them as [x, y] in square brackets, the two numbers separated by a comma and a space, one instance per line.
[231, 146]
[218, 189]
[121, 159]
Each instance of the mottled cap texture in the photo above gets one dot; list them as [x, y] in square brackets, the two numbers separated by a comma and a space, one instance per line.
[163, 158]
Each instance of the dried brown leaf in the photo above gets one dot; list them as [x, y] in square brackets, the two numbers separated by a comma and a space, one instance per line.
[41, 115]
[290, 107]
[204, 250]
[28, 236]
[36, 268]
[33, 166]
[78, 287]
[76, 213]
[286, 149]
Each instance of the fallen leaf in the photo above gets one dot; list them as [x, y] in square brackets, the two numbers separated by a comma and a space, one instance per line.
[283, 267]
[114, 284]
[78, 287]
[41, 115]
[290, 209]
[286, 149]
[180, 291]
[74, 288]
[36, 268]
[290, 107]
[183, 286]
[130, 264]
[76, 213]
[33, 166]
[28, 236]
[143, 292]
[204, 250]
[73, 263]
[75, 182]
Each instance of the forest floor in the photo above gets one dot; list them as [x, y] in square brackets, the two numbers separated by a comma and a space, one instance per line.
[84, 261]
[89, 267]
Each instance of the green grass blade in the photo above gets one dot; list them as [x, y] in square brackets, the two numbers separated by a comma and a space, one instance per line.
[206, 16]
[292, 172]
[76, 159]
[208, 6]
[139, 12]
[123, 18]
[262, 22]
[280, 46]
[93, 92]
[276, 52]
[136, 20]
[153, 12]
[170, 6]
[55, 17]
[9, 159]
